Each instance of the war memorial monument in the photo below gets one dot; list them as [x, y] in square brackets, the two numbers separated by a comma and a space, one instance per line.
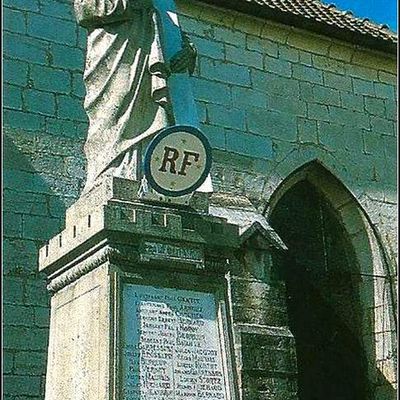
[140, 277]
[213, 194]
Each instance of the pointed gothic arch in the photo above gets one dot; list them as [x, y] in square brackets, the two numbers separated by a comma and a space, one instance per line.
[311, 198]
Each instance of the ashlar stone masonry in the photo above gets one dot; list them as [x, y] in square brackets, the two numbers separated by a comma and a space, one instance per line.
[278, 103]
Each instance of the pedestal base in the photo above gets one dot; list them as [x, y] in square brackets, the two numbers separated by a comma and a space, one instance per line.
[156, 301]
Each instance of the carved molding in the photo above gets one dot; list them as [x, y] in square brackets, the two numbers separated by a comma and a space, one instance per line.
[82, 268]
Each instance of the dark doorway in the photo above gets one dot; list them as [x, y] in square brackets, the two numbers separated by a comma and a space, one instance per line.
[322, 297]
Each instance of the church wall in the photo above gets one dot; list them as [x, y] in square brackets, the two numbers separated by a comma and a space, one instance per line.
[273, 98]
[270, 99]
[44, 129]
[295, 96]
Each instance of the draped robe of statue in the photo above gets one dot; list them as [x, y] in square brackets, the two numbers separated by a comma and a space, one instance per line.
[126, 91]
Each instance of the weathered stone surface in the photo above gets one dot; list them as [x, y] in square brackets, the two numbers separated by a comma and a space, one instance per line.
[39, 189]
[177, 347]
[137, 238]
[78, 359]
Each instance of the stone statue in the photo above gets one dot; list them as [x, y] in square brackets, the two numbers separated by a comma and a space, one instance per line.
[126, 83]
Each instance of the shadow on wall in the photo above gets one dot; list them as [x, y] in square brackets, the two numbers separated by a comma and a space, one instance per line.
[29, 191]
[385, 390]
[33, 212]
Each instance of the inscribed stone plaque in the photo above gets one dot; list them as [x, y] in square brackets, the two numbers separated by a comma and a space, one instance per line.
[171, 344]
[164, 251]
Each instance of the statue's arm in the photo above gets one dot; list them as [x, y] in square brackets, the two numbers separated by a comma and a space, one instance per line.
[95, 13]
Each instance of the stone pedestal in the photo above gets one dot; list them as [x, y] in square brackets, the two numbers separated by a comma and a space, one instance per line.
[156, 301]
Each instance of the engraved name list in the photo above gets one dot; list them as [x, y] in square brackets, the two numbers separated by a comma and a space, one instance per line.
[171, 345]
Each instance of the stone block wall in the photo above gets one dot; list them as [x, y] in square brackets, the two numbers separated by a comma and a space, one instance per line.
[265, 347]
[44, 129]
[274, 98]
[271, 98]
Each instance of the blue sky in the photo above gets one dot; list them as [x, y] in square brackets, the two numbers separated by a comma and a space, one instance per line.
[380, 11]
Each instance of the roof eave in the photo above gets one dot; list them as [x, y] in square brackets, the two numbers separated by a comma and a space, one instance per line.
[299, 21]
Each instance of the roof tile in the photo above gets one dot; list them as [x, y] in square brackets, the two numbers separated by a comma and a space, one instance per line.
[331, 15]
[315, 11]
